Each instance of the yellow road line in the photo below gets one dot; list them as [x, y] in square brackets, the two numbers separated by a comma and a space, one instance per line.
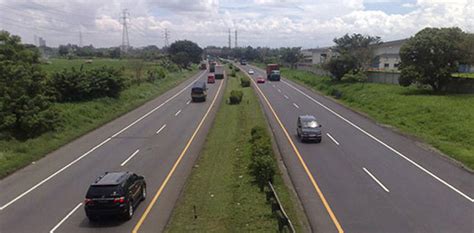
[313, 181]
[158, 193]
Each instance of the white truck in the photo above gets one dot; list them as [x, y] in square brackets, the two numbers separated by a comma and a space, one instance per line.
[219, 72]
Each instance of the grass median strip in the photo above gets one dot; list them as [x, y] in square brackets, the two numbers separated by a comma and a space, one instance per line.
[443, 121]
[78, 118]
[221, 195]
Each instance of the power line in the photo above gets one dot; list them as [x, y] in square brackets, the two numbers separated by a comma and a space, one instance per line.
[80, 38]
[125, 40]
[167, 38]
[229, 39]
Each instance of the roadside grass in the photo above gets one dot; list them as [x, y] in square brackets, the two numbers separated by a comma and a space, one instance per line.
[464, 75]
[81, 117]
[220, 186]
[444, 121]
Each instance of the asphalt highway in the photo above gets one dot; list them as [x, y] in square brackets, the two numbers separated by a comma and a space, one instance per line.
[159, 140]
[364, 177]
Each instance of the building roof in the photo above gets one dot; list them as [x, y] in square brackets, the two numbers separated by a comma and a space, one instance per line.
[391, 43]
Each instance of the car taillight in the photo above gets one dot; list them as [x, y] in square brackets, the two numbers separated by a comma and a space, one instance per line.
[88, 201]
[119, 200]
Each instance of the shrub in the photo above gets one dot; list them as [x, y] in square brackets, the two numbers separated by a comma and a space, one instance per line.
[235, 97]
[157, 74]
[354, 77]
[262, 165]
[245, 82]
[78, 85]
[263, 169]
[237, 69]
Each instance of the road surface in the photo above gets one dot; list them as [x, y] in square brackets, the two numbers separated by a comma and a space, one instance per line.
[159, 140]
[363, 177]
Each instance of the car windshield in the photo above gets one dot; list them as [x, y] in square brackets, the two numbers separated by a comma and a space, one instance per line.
[310, 124]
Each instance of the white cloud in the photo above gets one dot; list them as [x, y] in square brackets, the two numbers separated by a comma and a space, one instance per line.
[307, 23]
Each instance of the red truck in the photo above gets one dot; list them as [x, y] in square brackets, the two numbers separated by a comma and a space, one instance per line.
[273, 72]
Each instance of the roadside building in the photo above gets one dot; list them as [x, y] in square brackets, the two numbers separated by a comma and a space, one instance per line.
[387, 55]
[317, 55]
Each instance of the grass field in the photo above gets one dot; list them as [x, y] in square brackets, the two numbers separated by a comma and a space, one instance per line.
[444, 121]
[220, 186]
[82, 117]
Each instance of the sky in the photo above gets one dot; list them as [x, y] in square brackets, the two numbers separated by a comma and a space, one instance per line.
[266, 23]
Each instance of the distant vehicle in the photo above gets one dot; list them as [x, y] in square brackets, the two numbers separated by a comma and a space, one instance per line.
[212, 67]
[211, 78]
[251, 71]
[199, 91]
[273, 72]
[203, 66]
[243, 62]
[219, 72]
[114, 194]
[307, 128]
[260, 79]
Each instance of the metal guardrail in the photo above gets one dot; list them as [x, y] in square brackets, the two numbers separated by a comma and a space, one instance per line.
[284, 223]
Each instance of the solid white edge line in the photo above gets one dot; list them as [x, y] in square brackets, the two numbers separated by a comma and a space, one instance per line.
[102, 143]
[65, 218]
[53, 175]
[334, 140]
[376, 180]
[130, 157]
[384, 144]
[177, 113]
[296, 106]
[162, 127]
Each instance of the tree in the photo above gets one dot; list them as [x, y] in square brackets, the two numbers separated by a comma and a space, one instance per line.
[291, 55]
[184, 52]
[25, 108]
[431, 56]
[354, 54]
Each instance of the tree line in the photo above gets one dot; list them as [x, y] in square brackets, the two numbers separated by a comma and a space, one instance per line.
[28, 94]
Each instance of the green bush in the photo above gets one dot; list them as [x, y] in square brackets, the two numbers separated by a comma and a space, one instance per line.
[157, 74]
[235, 97]
[237, 69]
[245, 82]
[354, 77]
[263, 169]
[79, 85]
[262, 165]
[257, 132]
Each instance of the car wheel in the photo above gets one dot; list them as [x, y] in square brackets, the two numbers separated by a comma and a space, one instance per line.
[319, 141]
[143, 192]
[130, 210]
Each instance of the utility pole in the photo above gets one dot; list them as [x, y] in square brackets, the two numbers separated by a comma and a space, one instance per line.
[80, 38]
[235, 39]
[125, 41]
[229, 39]
[167, 37]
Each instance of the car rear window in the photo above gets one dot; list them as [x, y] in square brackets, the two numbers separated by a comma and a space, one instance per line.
[103, 191]
[197, 90]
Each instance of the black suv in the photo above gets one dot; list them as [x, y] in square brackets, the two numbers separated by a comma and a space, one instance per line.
[116, 194]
